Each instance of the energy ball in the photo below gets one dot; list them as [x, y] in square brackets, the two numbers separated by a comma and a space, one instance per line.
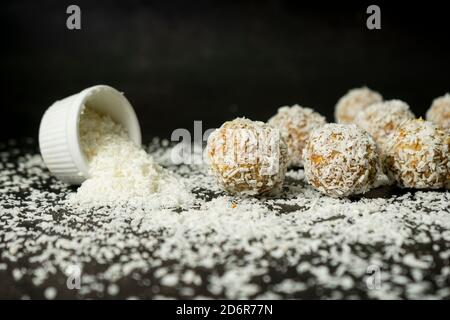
[354, 101]
[382, 118]
[418, 155]
[295, 124]
[439, 112]
[341, 160]
[248, 157]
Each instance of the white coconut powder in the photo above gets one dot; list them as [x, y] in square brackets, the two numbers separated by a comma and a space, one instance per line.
[299, 245]
[121, 172]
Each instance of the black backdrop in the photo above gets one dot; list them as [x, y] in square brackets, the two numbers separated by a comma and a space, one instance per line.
[196, 60]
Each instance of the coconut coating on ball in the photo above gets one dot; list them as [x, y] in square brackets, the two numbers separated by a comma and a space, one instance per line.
[418, 155]
[353, 102]
[439, 112]
[295, 124]
[382, 118]
[248, 157]
[341, 160]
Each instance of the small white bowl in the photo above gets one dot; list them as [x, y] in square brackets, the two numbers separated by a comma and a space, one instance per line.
[59, 139]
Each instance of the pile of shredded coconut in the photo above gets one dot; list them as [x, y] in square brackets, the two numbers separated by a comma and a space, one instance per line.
[387, 244]
[120, 171]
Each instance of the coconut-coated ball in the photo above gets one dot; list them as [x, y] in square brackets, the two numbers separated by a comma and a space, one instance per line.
[439, 112]
[382, 118]
[248, 157]
[418, 155]
[354, 101]
[341, 160]
[295, 124]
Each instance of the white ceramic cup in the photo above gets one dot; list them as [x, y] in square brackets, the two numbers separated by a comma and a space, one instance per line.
[59, 139]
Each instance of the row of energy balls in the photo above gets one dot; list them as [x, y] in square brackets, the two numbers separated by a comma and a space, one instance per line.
[371, 138]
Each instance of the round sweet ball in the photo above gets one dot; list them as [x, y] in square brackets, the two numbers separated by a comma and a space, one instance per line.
[295, 124]
[439, 112]
[248, 157]
[418, 155]
[341, 160]
[354, 101]
[382, 118]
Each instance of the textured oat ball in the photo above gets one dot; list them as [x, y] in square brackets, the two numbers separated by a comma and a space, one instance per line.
[439, 112]
[248, 157]
[354, 101]
[341, 160]
[382, 118]
[418, 155]
[295, 124]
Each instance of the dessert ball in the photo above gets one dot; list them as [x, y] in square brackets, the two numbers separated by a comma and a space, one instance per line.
[439, 112]
[248, 157]
[341, 160]
[382, 118]
[417, 155]
[295, 124]
[354, 101]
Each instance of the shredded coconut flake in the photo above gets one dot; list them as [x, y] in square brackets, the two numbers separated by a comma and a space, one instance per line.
[381, 119]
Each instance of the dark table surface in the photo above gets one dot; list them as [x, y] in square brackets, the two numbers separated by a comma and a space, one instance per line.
[419, 269]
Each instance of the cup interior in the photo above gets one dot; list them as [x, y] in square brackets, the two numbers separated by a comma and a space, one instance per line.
[108, 101]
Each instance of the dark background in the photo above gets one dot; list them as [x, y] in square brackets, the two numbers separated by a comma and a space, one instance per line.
[196, 60]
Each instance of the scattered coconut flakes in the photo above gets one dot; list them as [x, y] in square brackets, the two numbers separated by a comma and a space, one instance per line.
[299, 245]
[439, 111]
